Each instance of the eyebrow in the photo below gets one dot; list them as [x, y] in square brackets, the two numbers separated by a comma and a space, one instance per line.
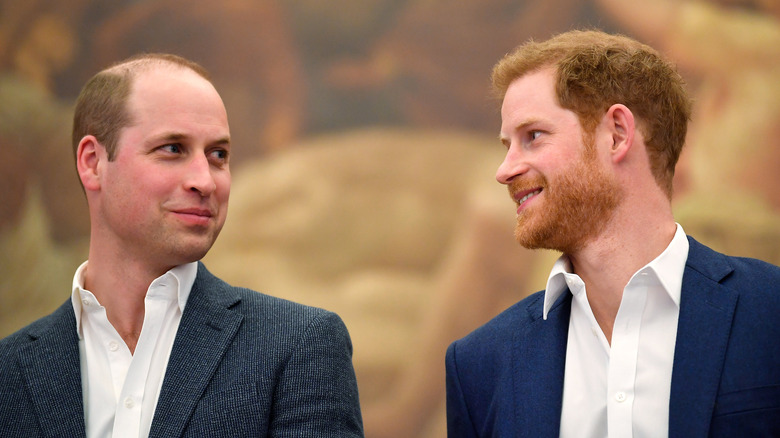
[520, 126]
[527, 123]
[176, 136]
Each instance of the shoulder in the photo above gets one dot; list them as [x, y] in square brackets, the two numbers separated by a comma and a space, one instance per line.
[288, 321]
[755, 275]
[485, 369]
[499, 334]
[299, 355]
[265, 314]
[62, 318]
[737, 273]
[749, 286]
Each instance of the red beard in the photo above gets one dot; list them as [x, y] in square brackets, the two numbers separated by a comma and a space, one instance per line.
[574, 208]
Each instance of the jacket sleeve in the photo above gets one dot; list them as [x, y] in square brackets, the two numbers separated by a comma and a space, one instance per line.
[317, 394]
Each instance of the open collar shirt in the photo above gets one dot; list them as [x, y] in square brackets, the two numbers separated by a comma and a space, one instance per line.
[622, 389]
[121, 388]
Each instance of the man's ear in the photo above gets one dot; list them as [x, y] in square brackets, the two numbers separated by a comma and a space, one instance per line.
[89, 155]
[620, 123]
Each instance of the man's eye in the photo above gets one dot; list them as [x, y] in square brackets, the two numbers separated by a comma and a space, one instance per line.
[173, 148]
[220, 154]
[535, 134]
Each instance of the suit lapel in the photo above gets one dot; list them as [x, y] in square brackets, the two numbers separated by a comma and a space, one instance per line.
[206, 330]
[539, 363]
[50, 366]
[706, 313]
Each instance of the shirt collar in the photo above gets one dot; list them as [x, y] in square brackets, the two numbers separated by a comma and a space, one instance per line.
[182, 278]
[668, 269]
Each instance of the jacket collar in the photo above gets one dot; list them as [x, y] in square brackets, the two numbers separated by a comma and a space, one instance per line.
[207, 328]
[706, 313]
[541, 353]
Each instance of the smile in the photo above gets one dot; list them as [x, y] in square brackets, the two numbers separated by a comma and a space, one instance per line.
[195, 212]
[528, 196]
[198, 217]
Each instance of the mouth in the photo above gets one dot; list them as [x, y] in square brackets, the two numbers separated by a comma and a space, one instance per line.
[195, 216]
[522, 197]
[203, 212]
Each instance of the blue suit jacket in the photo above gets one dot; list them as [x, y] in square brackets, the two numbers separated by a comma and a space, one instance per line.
[242, 364]
[505, 379]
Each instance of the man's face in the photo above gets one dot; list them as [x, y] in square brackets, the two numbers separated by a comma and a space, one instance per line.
[564, 193]
[164, 198]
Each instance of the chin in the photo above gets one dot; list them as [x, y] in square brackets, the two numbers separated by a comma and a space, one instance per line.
[192, 253]
[545, 237]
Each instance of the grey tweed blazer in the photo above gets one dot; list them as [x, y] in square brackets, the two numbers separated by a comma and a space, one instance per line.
[243, 364]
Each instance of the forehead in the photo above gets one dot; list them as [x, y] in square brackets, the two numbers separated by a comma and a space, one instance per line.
[171, 90]
[534, 90]
[531, 103]
[530, 99]
[173, 103]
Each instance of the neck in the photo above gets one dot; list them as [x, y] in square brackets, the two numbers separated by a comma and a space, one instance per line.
[631, 240]
[120, 285]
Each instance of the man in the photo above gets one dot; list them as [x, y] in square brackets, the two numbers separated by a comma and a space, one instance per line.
[641, 331]
[151, 343]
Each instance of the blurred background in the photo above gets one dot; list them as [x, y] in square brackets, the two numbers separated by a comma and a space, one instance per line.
[364, 155]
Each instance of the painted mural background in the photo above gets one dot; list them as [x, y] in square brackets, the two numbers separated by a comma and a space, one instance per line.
[364, 155]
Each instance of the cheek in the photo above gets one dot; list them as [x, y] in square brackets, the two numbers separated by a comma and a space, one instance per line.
[223, 187]
[121, 183]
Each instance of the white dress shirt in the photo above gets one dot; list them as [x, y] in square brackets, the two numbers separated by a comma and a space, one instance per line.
[121, 389]
[622, 390]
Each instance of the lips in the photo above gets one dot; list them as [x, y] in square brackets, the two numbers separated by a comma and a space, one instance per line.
[524, 190]
[195, 216]
[527, 196]
[195, 211]
[522, 196]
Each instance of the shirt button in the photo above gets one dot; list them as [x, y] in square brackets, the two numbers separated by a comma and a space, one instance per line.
[113, 345]
[129, 403]
[620, 397]
[85, 302]
[594, 331]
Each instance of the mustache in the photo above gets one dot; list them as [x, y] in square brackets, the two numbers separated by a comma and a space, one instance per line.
[518, 186]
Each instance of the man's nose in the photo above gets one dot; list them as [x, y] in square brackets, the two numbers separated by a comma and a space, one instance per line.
[512, 166]
[199, 177]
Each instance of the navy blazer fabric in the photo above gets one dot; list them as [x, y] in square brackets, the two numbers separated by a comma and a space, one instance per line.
[243, 364]
[505, 379]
